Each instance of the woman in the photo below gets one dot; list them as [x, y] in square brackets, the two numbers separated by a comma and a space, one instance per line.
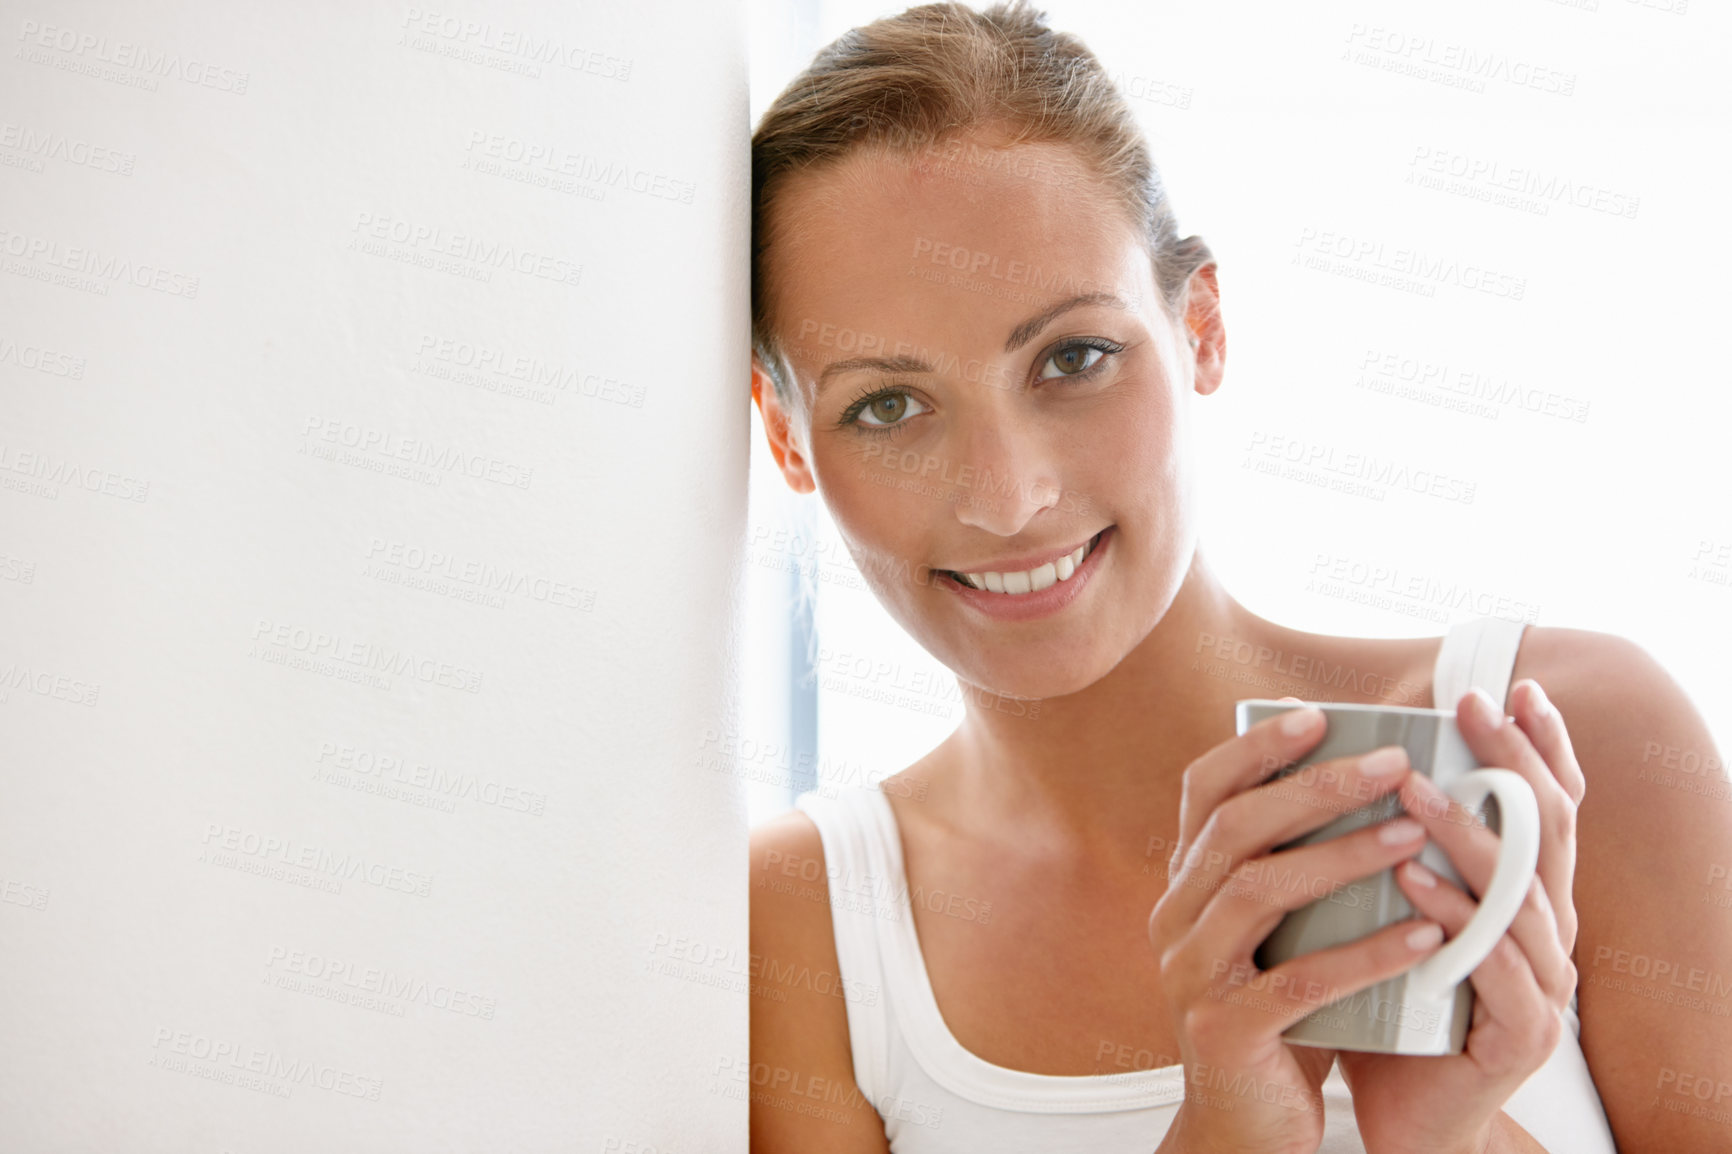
[978, 333]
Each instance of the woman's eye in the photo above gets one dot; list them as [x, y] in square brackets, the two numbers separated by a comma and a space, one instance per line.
[1073, 361]
[889, 409]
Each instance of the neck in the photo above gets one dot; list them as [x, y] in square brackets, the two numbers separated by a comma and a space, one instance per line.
[1101, 769]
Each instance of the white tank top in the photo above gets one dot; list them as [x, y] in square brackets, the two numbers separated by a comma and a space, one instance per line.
[936, 1097]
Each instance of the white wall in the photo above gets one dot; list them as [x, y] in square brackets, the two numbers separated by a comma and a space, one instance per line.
[352, 694]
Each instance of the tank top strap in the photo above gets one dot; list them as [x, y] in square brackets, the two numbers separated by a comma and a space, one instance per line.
[1480, 651]
[858, 868]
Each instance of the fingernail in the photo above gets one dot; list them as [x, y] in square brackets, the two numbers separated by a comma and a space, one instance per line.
[1538, 702]
[1425, 936]
[1391, 759]
[1425, 787]
[1400, 830]
[1484, 706]
[1298, 721]
[1420, 875]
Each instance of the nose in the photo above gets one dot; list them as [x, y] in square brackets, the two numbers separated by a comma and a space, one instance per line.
[1012, 480]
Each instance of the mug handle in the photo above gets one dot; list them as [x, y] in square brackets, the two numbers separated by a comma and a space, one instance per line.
[1517, 857]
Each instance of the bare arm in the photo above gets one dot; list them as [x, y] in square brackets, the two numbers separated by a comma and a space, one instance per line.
[1654, 848]
[803, 1094]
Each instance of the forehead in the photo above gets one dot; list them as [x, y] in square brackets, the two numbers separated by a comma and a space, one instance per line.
[946, 247]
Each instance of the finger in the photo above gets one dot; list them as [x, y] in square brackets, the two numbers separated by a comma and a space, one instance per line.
[1241, 762]
[1506, 992]
[1307, 983]
[1534, 929]
[1253, 822]
[1544, 726]
[1510, 985]
[1245, 908]
[1498, 741]
[1473, 849]
[1540, 720]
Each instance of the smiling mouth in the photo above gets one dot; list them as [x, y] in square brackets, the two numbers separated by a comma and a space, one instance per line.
[1028, 580]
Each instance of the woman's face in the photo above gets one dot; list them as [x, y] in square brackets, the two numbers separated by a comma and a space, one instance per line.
[988, 382]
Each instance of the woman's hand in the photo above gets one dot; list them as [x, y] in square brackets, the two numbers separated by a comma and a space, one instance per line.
[1247, 1090]
[1442, 1105]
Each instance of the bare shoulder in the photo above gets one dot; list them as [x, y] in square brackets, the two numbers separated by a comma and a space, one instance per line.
[1627, 717]
[1585, 664]
[803, 1093]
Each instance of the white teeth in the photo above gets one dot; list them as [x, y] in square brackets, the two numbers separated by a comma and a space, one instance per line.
[1032, 580]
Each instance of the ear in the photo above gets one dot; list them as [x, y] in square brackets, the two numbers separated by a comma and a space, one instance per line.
[1208, 336]
[778, 426]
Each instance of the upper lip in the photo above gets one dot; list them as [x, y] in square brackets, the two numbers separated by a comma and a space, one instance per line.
[1026, 561]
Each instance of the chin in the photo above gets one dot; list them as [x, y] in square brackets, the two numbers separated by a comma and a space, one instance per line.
[1034, 679]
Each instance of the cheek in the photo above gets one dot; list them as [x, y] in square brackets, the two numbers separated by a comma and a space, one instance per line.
[1127, 455]
[877, 509]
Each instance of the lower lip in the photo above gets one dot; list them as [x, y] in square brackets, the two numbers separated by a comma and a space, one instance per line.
[1029, 606]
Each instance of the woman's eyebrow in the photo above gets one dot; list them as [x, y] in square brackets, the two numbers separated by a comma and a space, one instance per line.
[1019, 336]
[882, 364]
[1027, 330]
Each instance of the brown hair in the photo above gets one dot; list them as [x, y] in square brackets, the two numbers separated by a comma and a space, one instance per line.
[934, 73]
